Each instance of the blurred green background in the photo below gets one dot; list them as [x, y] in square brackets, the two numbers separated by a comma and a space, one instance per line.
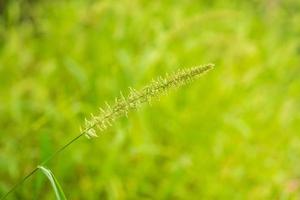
[233, 134]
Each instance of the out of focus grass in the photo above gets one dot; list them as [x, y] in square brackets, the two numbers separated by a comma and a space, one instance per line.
[234, 134]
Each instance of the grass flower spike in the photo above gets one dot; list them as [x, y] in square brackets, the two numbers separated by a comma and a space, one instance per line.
[135, 99]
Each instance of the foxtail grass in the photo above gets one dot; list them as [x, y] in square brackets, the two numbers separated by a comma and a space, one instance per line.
[106, 116]
[123, 105]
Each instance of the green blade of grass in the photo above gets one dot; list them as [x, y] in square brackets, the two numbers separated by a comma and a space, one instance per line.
[59, 193]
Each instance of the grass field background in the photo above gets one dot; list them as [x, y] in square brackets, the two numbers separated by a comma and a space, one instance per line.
[233, 134]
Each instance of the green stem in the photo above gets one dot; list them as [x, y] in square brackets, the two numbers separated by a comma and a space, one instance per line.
[43, 163]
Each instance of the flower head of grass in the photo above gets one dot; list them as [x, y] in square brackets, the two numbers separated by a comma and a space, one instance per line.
[135, 99]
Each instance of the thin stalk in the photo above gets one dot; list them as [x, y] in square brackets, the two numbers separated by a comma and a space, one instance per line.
[17, 185]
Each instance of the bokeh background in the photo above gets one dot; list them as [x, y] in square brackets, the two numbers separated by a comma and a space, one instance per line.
[233, 134]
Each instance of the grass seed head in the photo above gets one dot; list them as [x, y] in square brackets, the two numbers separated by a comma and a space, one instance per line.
[123, 105]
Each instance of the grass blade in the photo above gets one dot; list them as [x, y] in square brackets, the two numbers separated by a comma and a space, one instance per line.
[59, 193]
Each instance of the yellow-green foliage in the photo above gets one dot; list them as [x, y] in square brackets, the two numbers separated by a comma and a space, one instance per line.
[232, 135]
